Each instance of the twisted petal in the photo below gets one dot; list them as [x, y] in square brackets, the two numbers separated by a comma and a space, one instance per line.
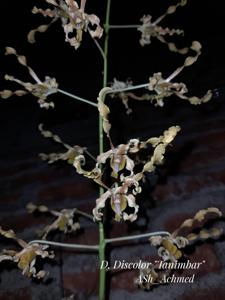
[101, 159]
[100, 203]
[131, 203]
[104, 109]
[72, 18]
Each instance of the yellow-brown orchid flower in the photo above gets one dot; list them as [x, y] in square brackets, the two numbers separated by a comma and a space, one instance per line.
[72, 17]
[120, 199]
[119, 159]
[39, 89]
[25, 258]
[151, 29]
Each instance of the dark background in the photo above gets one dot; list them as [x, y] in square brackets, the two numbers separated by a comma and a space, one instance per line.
[80, 71]
[192, 178]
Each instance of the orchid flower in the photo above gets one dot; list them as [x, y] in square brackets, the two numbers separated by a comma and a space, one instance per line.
[25, 258]
[151, 29]
[69, 155]
[39, 89]
[120, 199]
[119, 193]
[119, 159]
[72, 17]
[64, 219]
[171, 248]
[164, 88]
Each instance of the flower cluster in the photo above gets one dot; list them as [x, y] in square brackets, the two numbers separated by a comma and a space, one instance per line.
[161, 88]
[65, 219]
[72, 17]
[164, 88]
[69, 155]
[39, 89]
[170, 248]
[151, 29]
[126, 183]
[25, 258]
[125, 178]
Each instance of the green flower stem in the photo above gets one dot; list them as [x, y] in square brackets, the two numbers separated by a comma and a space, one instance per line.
[106, 44]
[102, 272]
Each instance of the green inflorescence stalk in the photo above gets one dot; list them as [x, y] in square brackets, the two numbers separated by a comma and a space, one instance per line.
[102, 272]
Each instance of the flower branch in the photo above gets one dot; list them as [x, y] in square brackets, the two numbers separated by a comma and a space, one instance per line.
[97, 44]
[76, 97]
[65, 245]
[107, 241]
[123, 26]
